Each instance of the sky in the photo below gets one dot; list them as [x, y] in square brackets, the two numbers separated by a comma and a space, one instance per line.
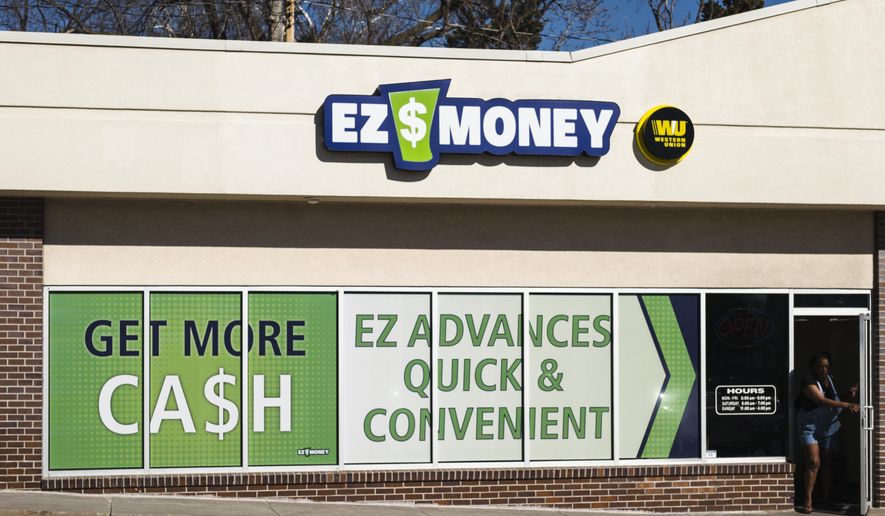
[633, 18]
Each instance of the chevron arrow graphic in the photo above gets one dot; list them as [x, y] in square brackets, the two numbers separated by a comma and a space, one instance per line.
[679, 380]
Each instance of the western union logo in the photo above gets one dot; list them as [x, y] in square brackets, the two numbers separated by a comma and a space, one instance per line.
[669, 133]
[668, 127]
[664, 135]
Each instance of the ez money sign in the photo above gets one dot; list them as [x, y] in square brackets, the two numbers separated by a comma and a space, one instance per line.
[417, 122]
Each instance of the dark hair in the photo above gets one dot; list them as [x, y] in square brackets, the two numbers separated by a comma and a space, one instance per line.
[817, 356]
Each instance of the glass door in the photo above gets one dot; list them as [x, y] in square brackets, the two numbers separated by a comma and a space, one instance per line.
[843, 483]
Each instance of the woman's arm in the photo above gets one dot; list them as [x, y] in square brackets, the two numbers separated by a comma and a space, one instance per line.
[814, 393]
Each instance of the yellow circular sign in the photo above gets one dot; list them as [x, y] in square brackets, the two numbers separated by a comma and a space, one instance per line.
[664, 135]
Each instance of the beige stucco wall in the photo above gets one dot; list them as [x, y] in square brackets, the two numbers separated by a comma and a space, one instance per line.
[777, 191]
[787, 103]
[131, 242]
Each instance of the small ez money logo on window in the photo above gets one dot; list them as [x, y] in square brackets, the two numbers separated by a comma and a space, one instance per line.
[417, 122]
[310, 452]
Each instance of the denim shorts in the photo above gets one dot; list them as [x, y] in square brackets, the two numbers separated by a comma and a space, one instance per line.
[818, 426]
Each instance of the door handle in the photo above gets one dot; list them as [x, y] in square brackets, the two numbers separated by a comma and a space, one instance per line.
[868, 417]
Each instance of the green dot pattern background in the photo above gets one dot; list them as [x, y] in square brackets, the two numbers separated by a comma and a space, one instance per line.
[171, 446]
[313, 379]
[77, 437]
[682, 377]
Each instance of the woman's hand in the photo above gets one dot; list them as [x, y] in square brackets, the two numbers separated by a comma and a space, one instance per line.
[853, 407]
[852, 392]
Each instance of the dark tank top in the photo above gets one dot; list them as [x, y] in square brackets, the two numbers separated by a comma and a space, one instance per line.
[807, 404]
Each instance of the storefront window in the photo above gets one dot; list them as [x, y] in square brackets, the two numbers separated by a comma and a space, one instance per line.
[96, 338]
[747, 355]
[570, 381]
[831, 301]
[386, 351]
[658, 409]
[293, 390]
[479, 376]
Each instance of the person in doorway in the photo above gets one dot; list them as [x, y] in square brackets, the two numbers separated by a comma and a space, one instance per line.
[819, 407]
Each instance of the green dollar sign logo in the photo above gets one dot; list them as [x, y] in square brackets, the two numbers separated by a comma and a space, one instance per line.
[416, 127]
[227, 410]
[414, 112]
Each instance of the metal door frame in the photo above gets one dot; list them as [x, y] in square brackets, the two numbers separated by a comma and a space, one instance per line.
[867, 415]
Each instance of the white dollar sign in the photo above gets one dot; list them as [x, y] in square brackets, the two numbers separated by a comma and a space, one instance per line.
[225, 406]
[408, 115]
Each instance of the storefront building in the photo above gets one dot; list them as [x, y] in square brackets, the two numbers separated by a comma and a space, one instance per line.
[469, 277]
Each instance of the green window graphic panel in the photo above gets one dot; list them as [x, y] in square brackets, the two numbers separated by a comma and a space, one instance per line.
[95, 343]
[196, 386]
[659, 373]
[570, 383]
[294, 344]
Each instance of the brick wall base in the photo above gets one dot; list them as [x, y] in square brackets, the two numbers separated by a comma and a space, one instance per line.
[658, 488]
[21, 342]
